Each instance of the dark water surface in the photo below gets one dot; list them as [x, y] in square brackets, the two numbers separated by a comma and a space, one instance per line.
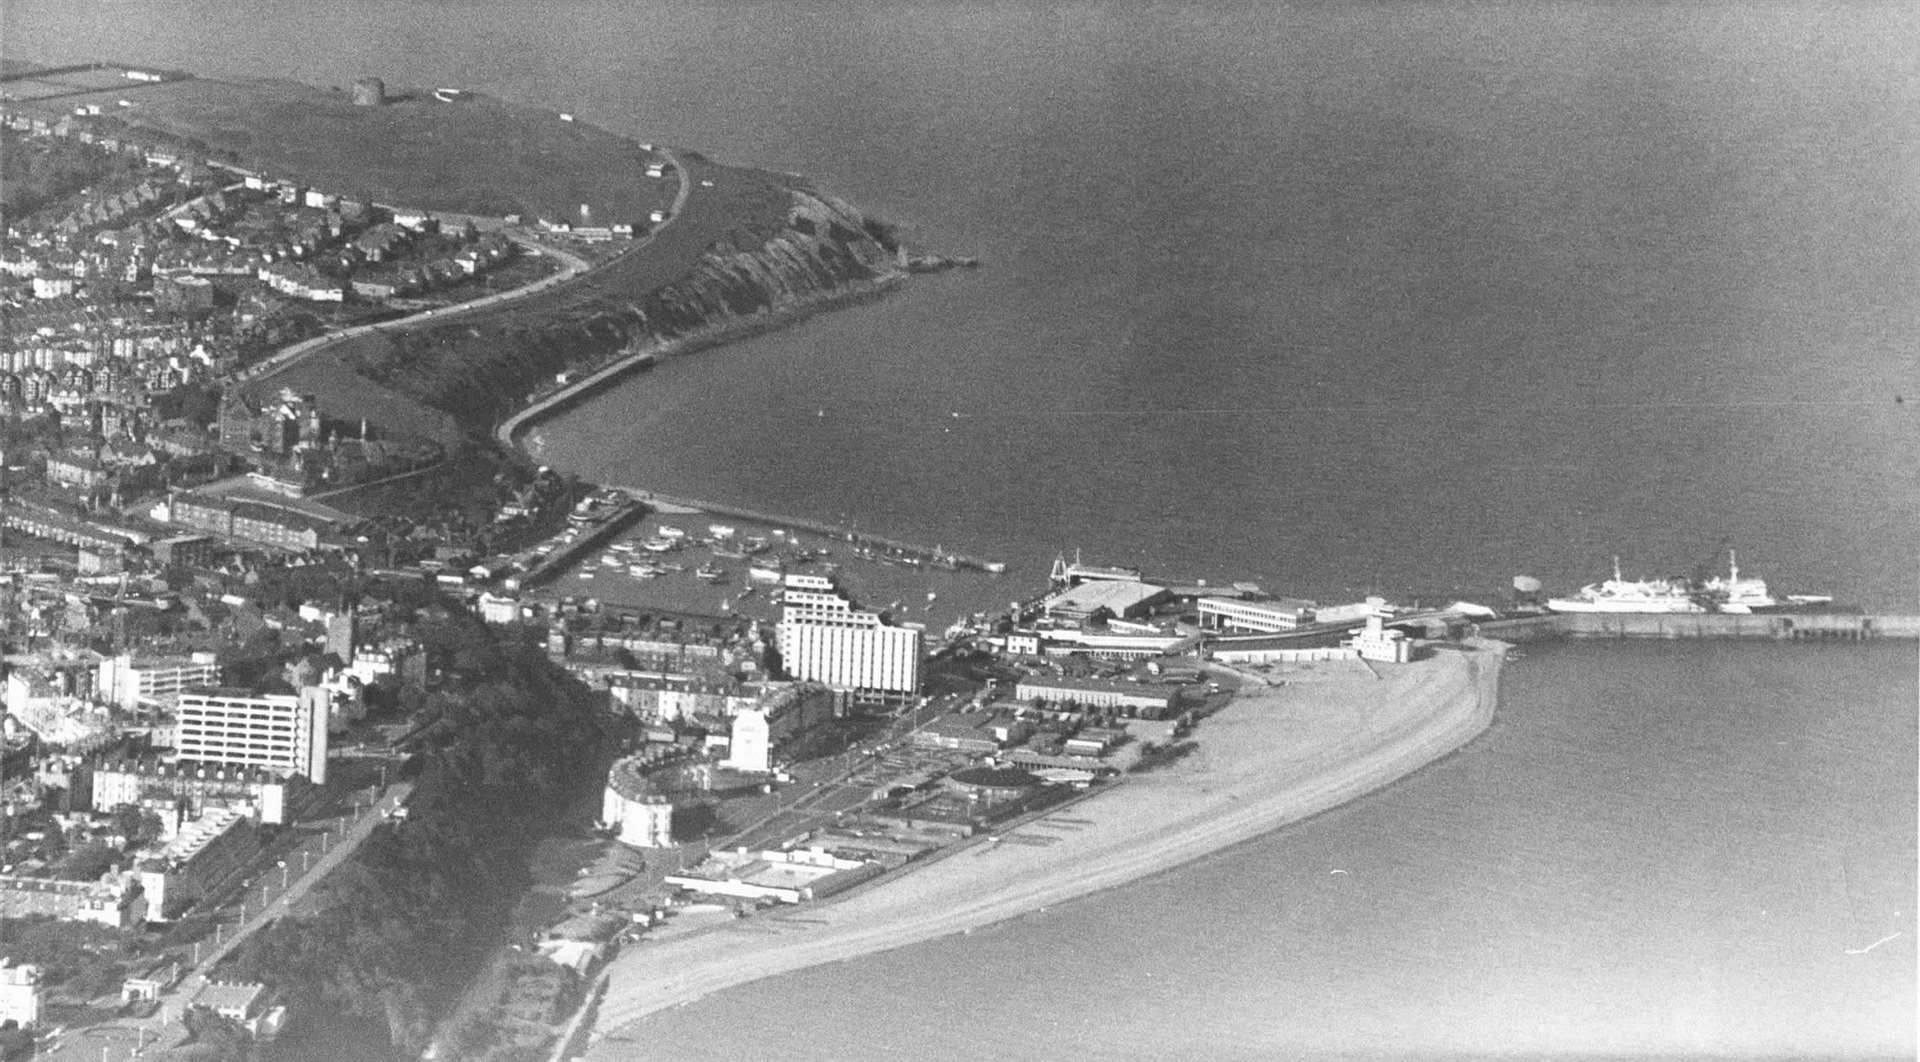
[1337, 298]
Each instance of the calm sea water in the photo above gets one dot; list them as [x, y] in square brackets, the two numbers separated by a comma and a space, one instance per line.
[1659, 850]
[1337, 298]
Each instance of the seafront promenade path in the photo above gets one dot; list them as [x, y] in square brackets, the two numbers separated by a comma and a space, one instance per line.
[572, 266]
[275, 896]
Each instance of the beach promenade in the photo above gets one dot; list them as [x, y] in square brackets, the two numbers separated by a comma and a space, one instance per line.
[1277, 754]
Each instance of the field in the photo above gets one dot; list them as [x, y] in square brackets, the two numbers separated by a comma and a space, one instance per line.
[478, 155]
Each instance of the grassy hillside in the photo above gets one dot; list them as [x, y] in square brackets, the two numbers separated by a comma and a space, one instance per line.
[479, 155]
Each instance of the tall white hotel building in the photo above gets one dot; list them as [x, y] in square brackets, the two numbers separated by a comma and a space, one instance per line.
[824, 638]
[283, 733]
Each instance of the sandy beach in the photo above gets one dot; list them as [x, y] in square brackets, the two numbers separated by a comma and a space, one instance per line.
[1275, 755]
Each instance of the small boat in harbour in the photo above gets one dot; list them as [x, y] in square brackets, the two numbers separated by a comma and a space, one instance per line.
[711, 572]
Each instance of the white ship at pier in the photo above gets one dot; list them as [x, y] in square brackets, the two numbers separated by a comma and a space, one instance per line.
[1727, 594]
[1620, 594]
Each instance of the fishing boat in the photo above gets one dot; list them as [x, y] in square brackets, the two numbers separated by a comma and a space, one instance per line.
[728, 553]
[754, 544]
[671, 533]
[766, 571]
[711, 572]
[720, 531]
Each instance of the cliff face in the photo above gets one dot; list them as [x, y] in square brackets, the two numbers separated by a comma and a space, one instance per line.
[480, 371]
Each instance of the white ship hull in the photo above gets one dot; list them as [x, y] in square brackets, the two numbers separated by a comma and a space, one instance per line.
[1652, 606]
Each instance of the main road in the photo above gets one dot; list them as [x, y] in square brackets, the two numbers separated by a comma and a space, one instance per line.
[572, 266]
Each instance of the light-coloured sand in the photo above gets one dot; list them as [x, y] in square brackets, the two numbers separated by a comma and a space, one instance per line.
[1274, 756]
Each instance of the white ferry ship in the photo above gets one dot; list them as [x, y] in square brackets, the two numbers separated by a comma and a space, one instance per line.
[1734, 594]
[1728, 594]
[1620, 594]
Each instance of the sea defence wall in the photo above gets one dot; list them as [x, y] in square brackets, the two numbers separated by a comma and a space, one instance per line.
[1778, 626]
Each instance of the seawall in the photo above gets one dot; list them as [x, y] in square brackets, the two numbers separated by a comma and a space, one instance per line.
[726, 330]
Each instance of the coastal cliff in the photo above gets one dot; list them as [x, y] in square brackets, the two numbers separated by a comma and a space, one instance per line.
[818, 251]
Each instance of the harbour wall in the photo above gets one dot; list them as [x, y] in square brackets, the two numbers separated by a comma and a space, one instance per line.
[563, 558]
[1778, 626]
[930, 554]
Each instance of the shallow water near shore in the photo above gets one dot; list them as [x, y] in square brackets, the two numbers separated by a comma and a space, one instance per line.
[1335, 298]
[1657, 849]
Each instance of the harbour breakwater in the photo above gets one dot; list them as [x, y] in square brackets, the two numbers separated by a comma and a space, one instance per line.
[912, 553]
[1778, 626]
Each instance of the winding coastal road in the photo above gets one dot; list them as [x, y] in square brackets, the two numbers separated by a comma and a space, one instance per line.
[572, 267]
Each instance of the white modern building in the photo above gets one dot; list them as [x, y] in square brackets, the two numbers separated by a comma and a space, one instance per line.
[20, 993]
[825, 638]
[1379, 643]
[281, 732]
[129, 684]
[1263, 617]
[638, 815]
[751, 745]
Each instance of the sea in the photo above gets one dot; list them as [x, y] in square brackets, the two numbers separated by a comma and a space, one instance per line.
[1340, 299]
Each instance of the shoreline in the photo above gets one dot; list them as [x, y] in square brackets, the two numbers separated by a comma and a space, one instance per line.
[1276, 755]
[511, 431]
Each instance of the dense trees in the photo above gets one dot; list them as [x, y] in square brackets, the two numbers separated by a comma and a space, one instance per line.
[410, 915]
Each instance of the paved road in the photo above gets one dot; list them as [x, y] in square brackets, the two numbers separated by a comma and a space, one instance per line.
[571, 266]
[127, 1037]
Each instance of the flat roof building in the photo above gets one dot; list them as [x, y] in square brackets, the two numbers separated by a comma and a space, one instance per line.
[1120, 598]
[130, 683]
[1098, 693]
[824, 638]
[284, 733]
[1263, 617]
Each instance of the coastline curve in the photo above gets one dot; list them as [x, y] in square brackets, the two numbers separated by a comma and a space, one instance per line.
[1273, 757]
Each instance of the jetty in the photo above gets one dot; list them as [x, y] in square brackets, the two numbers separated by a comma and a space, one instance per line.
[553, 564]
[895, 547]
[1777, 626]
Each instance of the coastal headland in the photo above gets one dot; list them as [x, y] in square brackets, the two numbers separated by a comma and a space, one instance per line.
[1325, 734]
[663, 251]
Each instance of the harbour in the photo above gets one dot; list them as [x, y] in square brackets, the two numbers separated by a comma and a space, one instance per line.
[890, 548]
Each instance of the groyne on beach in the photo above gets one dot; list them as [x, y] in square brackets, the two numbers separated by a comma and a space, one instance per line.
[1275, 755]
